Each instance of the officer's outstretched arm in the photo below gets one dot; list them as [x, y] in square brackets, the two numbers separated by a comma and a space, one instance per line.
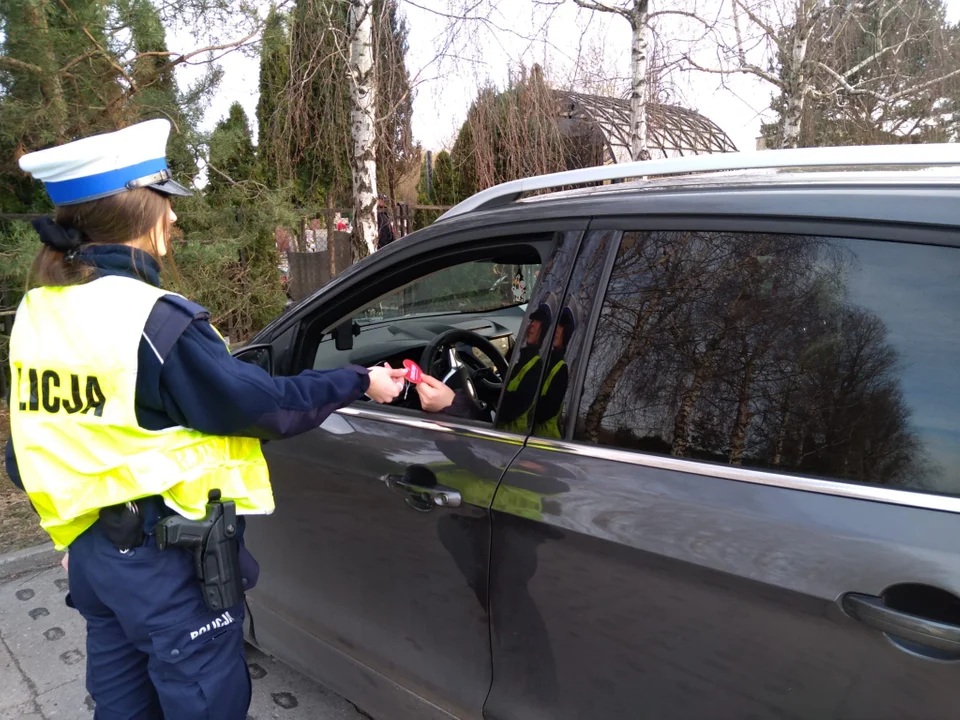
[202, 386]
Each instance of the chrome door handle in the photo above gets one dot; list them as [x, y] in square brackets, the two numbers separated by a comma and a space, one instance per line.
[872, 612]
[439, 495]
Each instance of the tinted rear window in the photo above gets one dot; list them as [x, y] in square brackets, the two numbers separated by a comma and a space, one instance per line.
[824, 356]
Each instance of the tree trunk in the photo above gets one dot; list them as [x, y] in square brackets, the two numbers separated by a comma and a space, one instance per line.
[363, 127]
[738, 437]
[781, 430]
[392, 185]
[796, 84]
[50, 82]
[635, 349]
[638, 85]
[702, 371]
[681, 421]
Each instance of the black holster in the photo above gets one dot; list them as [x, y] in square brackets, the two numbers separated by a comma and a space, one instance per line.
[216, 550]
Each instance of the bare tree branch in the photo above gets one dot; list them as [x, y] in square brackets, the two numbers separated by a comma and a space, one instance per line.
[853, 90]
[772, 34]
[467, 17]
[77, 60]
[600, 7]
[679, 13]
[747, 69]
[233, 45]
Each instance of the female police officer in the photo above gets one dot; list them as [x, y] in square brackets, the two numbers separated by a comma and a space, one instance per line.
[126, 409]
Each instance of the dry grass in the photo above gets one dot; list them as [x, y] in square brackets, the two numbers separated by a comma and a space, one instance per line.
[19, 524]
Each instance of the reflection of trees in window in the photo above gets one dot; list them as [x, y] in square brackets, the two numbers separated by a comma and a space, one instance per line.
[583, 291]
[470, 287]
[743, 348]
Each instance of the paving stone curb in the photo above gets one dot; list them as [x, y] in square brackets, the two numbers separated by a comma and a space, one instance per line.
[38, 557]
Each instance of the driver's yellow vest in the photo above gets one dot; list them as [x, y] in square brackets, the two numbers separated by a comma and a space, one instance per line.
[79, 448]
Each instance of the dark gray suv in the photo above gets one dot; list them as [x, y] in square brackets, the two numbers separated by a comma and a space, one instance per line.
[706, 463]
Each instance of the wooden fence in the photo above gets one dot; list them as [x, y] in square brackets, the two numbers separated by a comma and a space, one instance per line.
[311, 269]
[402, 215]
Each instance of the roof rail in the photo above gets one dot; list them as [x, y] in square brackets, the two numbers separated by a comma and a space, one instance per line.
[863, 156]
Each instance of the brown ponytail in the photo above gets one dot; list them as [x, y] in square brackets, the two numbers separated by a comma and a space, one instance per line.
[113, 220]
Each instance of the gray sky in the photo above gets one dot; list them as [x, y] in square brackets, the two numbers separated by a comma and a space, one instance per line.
[444, 89]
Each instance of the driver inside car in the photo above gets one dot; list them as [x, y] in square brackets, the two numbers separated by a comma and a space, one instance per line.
[435, 396]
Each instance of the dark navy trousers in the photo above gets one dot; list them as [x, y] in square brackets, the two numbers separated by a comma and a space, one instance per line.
[154, 649]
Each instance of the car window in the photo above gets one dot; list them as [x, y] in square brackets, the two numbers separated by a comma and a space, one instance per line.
[492, 297]
[481, 286]
[824, 356]
[583, 290]
[484, 296]
[521, 392]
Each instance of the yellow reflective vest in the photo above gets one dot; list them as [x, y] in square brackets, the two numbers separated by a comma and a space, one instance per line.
[73, 362]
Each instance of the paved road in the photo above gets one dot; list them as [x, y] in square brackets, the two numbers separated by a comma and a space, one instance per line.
[42, 663]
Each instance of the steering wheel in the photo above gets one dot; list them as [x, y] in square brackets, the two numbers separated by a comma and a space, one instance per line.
[482, 384]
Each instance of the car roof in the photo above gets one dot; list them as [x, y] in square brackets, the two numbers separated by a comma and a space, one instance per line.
[929, 176]
[917, 166]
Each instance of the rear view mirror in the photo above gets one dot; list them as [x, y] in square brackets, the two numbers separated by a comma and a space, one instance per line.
[261, 355]
[344, 333]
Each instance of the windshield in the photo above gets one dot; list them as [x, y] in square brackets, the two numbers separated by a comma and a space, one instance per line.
[480, 286]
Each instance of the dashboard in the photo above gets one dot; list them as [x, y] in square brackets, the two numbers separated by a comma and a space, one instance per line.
[396, 339]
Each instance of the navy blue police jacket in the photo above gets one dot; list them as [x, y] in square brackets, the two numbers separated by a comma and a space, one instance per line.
[187, 377]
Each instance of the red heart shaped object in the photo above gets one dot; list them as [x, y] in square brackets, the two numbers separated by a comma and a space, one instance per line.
[414, 373]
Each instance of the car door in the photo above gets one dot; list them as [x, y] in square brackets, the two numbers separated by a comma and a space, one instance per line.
[366, 584]
[751, 510]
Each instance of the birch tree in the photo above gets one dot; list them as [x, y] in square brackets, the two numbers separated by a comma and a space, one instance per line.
[688, 25]
[342, 123]
[637, 13]
[907, 95]
[803, 49]
[363, 119]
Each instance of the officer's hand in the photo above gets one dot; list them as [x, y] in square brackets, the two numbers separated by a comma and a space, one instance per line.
[65, 561]
[385, 383]
[434, 395]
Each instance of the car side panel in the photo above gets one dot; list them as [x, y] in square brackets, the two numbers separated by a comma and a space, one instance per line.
[644, 592]
[373, 598]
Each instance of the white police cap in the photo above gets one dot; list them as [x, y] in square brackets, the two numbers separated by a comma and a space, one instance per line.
[106, 164]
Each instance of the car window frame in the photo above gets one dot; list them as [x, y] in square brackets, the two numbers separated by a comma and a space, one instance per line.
[471, 246]
[584, 342]
[907, 234]
[593, 319]
[318, 319]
